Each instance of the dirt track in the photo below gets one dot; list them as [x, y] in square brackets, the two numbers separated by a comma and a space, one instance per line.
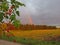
[3, 42]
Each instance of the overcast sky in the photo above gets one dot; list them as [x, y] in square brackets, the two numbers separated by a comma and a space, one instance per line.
[41, 12]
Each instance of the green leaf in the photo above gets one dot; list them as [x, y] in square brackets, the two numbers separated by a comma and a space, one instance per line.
[19, 3]
[16, 23]
[6, 17]
[1, 16]
[17, 12]
[13, 17]
[13, 1]
[4, 6]
[16, 6]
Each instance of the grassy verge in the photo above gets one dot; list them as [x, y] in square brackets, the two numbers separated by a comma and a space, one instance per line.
[29, 41]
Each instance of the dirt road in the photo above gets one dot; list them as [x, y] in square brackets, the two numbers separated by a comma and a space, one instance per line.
[3, 42]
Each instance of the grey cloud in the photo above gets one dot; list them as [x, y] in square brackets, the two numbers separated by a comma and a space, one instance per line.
[41, 11]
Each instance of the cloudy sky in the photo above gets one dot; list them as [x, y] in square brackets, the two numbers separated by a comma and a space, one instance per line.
[41, 12]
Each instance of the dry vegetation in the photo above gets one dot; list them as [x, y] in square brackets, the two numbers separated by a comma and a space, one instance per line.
[41, 32]
[36, 34]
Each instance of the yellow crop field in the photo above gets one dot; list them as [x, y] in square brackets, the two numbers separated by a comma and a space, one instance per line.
[36, 34]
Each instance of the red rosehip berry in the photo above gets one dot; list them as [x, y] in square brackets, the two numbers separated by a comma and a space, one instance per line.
[10, 10]
[7, 30]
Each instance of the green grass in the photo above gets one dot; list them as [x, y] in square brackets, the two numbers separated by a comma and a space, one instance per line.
[29, 41]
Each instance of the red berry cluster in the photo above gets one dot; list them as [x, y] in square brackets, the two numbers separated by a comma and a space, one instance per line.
[10, 10]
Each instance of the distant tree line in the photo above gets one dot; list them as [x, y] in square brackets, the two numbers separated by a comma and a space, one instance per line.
[29, 27]
[36, 27]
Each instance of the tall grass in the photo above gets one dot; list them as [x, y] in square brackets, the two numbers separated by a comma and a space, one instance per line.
[29, 41]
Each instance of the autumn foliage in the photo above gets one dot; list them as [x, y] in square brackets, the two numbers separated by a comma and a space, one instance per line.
[36, 27]
[10, 27]
[27, 27]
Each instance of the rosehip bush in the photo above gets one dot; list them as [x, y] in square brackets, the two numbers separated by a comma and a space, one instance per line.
[9, 10]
